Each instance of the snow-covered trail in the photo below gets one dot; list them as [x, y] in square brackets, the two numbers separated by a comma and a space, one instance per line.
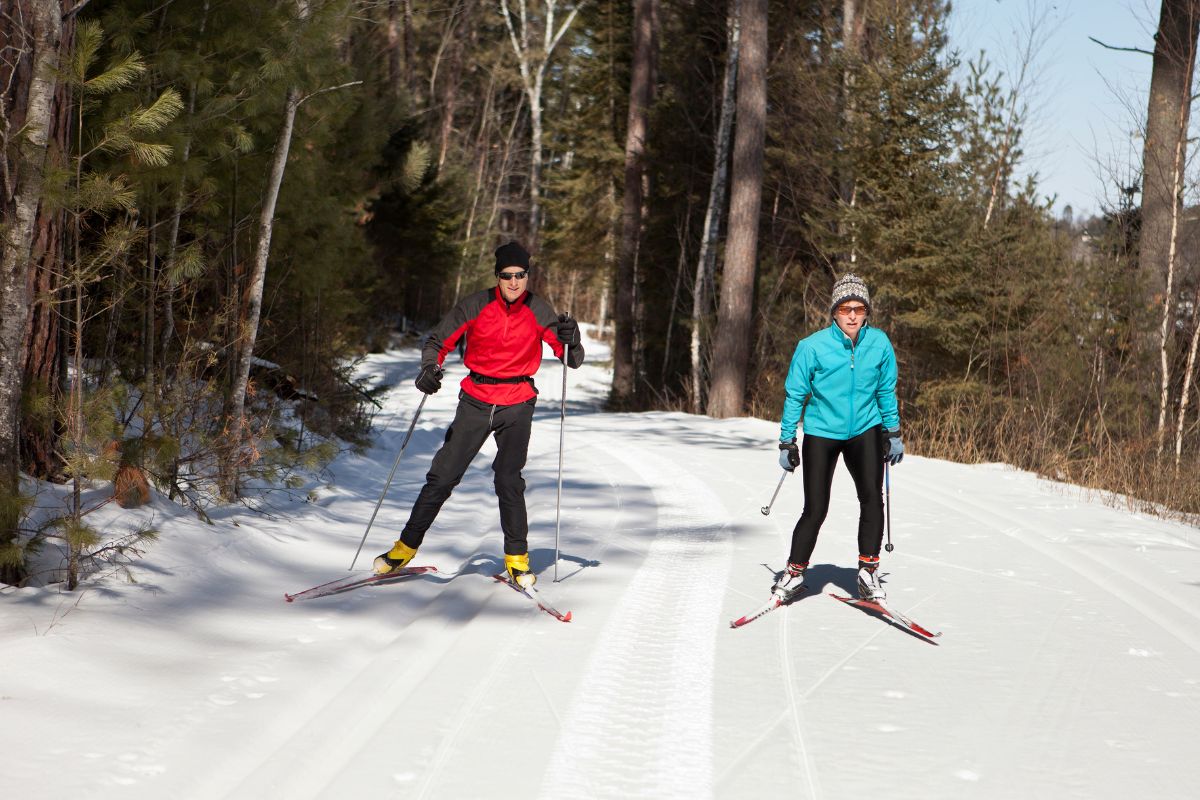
[1068, 667]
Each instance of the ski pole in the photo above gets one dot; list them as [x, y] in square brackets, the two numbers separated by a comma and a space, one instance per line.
[562, 432]
[887, 493]
[767, 508]
[391, 475]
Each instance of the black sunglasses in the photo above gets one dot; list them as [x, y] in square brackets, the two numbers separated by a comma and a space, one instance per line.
[512, 276]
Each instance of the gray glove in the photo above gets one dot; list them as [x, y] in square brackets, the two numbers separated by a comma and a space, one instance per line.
[789, 455]
[893, 446]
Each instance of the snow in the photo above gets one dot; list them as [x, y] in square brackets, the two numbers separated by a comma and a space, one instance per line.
[1067, 668]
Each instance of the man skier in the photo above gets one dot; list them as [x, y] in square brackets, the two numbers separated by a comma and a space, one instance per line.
[504, 328]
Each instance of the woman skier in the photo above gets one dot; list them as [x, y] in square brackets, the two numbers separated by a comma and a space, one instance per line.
[842, 384]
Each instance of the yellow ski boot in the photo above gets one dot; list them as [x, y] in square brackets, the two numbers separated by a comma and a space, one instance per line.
[518, 570]
[394, 559]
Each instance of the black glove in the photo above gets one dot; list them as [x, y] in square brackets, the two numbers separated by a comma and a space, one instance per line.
[789, 455]
[893, 446]
[429, 380]
[567, 330]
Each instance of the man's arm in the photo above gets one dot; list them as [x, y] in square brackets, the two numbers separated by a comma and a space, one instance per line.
[444, 336]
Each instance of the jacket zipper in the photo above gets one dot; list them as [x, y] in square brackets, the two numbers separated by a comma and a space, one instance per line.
[850, 430]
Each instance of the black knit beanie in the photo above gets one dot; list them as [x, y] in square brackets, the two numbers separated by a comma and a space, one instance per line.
[511, 255]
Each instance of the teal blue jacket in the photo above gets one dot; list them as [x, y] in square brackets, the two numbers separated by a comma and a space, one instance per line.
[840, 389]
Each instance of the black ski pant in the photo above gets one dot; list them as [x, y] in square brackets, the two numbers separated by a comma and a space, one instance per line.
[864, 458]
[473, 422]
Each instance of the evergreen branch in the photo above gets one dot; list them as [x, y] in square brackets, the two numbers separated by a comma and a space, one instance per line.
[149, 120]
[101, 193]
[119, 75]
[152, 154]
[415, 166]
[1121, 49]
[88, 38]
[240, 138]
[188, 264]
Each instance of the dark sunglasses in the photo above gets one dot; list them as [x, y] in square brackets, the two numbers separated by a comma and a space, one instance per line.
[513, 276]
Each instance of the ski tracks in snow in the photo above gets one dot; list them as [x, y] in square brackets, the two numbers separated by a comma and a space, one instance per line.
[646, 696]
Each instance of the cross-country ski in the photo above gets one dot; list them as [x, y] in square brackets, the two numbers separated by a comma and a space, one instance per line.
[533, 594]
[356, 581]
[885, 610]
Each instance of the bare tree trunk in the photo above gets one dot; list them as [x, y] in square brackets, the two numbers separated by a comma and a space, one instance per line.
[1167, 122]
[176, 216]
[533, 60]
[150, 325]
[706, 262]
[28, 64]
[248, 333]
[44, 364]
[854, 28]
[641, 95]
[482, 148]
[258, 276]
[679, 268]
[470, 229]
[1164, 336]
[395, 49]
[731, 349]
[1166, 132]
[1185, 393]
[1036, 38]
[459, 29]
[610, 257]
[409, 43]
[501, 177]
[854, 40]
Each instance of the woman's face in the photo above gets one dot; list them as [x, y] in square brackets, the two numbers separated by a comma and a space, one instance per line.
[850, 316]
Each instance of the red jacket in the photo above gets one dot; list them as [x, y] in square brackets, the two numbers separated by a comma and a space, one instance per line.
[504, 340]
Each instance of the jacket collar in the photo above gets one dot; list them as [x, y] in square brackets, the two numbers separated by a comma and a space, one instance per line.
[522, 299]
[840, 336]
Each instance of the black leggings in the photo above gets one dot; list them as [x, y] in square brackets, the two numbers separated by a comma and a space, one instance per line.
[473, 423]
[864, 458]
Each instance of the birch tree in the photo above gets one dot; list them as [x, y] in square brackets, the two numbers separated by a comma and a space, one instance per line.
[718, 187]
[31, 33]
[534, 38]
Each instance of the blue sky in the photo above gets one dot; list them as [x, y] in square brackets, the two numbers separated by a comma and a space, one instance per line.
[1086, 101]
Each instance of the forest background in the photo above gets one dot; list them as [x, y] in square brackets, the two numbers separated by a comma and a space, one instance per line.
[211, 208]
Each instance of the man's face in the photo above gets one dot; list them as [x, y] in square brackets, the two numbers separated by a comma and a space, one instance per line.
[512, 282]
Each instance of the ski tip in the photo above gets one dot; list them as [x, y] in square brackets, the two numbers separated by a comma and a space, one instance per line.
[566, 617]
[288, 597]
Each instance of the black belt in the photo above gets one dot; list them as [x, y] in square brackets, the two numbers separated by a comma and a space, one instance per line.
[478, 378]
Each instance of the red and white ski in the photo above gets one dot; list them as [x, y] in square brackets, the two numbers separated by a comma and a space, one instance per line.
[535, 596]
[356, 581]
[890, 614]
[766, 608]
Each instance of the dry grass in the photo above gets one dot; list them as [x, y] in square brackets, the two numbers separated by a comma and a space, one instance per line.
[1126, 473]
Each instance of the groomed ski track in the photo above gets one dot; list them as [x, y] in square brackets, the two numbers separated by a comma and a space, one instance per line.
[1069, 665]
